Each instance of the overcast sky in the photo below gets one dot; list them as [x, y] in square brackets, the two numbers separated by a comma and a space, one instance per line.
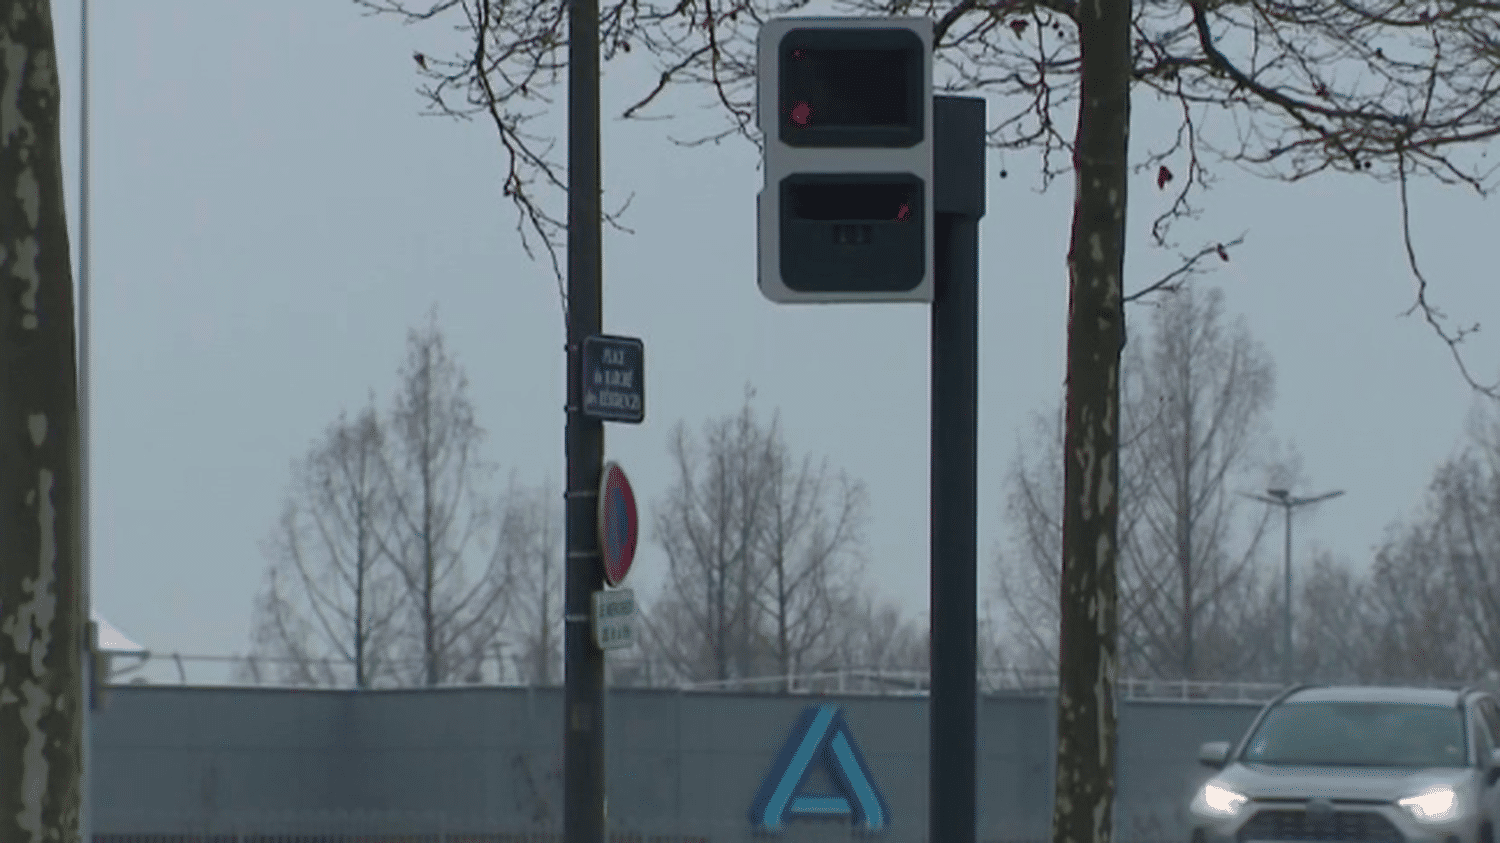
[271, 214]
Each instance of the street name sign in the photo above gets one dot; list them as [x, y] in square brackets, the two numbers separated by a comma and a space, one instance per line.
[614, 378]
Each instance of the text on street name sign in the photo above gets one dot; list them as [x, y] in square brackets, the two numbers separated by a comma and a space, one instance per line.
[614, 378]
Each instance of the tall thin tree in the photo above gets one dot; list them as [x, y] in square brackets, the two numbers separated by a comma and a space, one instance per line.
[809, 546]
[531, 557]
[328, 567]
[443, 522]
[1197, 393]
[710, 524]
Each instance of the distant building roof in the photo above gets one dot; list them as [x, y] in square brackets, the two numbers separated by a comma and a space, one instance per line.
[113, 641]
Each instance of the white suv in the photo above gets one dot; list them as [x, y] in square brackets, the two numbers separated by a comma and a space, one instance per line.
[1367, 764]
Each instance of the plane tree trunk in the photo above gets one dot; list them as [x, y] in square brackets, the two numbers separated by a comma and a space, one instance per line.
[41, 622]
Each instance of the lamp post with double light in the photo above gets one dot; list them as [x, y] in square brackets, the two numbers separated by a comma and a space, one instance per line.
[1288, 502]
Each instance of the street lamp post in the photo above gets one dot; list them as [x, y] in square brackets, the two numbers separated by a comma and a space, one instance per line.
[1288, 502]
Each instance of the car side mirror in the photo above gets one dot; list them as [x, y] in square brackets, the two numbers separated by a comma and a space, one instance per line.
[1492, 774]
[1214, 754]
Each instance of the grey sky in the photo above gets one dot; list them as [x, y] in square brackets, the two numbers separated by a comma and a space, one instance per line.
[270, 215]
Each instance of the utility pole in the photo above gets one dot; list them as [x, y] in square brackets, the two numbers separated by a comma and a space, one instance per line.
[1284, 499]
[90, 678]
[583, 693]
[41, 603]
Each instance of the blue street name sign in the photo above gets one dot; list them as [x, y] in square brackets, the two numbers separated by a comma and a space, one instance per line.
[614, 378]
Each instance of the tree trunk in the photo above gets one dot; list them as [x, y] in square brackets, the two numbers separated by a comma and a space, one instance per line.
[429, 622]
[783, 640]
[721, 628]
[1185, 492]
[1083, 808]
[41, 622]
[361, 563]
[544, 658]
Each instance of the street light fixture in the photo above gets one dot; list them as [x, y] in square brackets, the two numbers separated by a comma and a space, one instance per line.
[1288, 502]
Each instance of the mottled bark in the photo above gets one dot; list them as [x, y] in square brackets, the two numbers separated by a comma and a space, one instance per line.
[1084, 791]
[41, 623]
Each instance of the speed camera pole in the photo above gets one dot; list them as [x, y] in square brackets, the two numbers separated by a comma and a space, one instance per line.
[583, 694]
[958, 200]
[873, 192]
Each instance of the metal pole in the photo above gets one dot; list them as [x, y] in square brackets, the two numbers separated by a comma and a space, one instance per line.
[583, 693]
[958, 200]
[1284, 499]
[85, 553]
[1286, 603]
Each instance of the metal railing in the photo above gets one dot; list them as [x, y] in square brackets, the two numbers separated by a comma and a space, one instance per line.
[189, 669]
[645, 672]
[912, 682]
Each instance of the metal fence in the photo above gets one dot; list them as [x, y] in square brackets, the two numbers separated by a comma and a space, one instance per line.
[238, 671]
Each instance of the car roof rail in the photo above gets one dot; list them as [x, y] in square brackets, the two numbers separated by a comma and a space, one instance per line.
[1463, 692]
[1236, 746]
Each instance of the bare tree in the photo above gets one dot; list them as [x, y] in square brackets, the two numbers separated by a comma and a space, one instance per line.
[809, 545]
[763, 549]
[332, 596]
[1434, 596]
[1027, 580]
[1467, 489]
[1196, 397]
[531, 556]
[442, 523]
[1419, 630]
[877, 635]
[710, 524]
[1196, 393]
[284, 643]
[1334, 624]
[390, 555]
[42, 619]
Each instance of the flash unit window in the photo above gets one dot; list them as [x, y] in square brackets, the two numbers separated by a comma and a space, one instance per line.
[851, 88]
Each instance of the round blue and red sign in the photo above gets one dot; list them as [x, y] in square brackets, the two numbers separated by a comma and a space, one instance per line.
[619, 523]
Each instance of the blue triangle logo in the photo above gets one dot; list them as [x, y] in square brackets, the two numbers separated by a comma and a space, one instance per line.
[821, 737]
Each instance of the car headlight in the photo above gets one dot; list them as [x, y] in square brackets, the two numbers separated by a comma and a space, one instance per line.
[1435, 804]
[1216, 800]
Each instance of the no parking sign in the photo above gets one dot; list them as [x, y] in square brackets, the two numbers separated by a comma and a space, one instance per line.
[619, 524]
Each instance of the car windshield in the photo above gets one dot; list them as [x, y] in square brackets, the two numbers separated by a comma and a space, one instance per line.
[1359, 734]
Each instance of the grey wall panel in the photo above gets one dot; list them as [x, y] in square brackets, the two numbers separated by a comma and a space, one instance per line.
[174, 759]
[199, 752]
[1158, 769]
[1016, 734]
